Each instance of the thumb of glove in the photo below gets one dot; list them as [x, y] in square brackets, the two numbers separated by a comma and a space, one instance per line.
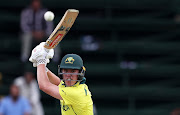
[50, 54]
[31, 59]
[47, 61]
[34, 64]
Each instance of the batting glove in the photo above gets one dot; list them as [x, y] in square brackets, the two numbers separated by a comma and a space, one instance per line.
[41, 55]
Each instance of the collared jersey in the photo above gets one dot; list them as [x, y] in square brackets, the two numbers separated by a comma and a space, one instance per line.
[76, 99]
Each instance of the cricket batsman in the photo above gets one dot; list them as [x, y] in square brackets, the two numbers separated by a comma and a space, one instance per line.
[69, 87]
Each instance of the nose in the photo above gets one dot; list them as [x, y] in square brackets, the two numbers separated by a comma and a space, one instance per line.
[68, 75]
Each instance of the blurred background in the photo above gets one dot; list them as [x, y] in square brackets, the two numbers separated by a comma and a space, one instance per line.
[130, 48]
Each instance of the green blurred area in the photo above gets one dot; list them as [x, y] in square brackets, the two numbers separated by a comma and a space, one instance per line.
[136, 70]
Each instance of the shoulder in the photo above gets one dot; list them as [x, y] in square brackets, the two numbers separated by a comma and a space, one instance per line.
[82, 86]
[86, 90]
[27, 9]
[5, 99]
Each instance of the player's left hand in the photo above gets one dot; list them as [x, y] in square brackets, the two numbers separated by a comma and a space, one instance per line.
[41, 55]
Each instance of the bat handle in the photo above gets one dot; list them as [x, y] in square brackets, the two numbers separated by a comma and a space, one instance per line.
[46, 49]
[46, 46]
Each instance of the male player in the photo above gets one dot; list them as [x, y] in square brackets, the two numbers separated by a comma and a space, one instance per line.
[71, 90]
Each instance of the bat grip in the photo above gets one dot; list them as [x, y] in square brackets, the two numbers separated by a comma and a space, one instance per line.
[47, 50]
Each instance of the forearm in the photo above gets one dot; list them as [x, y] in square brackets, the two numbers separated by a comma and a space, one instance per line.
[53, 78]
[42, 78]
[44, 83]
[39, 58]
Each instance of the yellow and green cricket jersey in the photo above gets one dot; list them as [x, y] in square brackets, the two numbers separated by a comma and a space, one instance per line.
[76, 99]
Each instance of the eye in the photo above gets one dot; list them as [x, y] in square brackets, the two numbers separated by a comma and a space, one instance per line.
[73, 71]
[64, 71]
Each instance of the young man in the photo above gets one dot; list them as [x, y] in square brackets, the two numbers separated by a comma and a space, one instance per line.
[14, 104]
[71, 89]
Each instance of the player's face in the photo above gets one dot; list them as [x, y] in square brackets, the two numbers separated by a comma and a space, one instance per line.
[70, 79]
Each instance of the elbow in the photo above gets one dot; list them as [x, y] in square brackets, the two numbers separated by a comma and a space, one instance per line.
[43, 87]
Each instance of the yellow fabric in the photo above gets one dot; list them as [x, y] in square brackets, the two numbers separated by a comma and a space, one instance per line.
[76, 99]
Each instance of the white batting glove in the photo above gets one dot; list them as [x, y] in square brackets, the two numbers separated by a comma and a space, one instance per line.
[35, 63]
[41, 55]
[50, 55]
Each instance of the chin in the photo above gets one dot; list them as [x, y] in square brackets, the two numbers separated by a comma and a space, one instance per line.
[69, 84]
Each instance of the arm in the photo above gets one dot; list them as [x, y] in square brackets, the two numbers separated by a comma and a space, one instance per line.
[38, 57]
[53, 78]
[44, 84]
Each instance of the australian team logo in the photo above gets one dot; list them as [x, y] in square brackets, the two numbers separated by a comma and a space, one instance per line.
[65, 107]
[69, 60]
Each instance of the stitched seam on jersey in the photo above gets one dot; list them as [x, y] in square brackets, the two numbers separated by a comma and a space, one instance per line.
[85, 90]
[73, 110]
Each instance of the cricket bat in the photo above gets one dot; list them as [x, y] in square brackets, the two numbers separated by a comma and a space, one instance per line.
[62, 28]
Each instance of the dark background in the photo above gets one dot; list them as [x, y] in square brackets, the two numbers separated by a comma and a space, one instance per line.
[135, 71]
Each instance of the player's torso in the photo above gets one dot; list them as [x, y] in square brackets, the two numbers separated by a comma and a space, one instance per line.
[76, 110]
[76, 101]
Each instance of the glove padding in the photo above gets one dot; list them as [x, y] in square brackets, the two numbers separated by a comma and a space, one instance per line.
[41, 55]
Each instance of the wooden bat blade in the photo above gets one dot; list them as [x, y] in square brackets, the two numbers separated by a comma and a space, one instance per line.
[62, 28]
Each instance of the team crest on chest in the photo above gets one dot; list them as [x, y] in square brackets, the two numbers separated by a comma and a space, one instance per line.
[65, 107]
[69, 60]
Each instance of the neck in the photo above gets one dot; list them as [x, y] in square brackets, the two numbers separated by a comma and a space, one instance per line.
[15, 98]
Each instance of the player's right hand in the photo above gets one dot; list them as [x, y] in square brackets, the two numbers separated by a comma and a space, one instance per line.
[41, 55]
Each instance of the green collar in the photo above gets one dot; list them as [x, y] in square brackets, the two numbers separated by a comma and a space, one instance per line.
[77, 83]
